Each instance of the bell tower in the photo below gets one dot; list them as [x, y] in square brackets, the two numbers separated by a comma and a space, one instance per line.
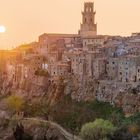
[88, 26]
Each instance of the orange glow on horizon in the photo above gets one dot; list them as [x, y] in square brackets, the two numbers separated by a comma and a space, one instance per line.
[26, 20]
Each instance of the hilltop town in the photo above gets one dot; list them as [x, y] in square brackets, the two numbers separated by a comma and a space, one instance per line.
[86, 65]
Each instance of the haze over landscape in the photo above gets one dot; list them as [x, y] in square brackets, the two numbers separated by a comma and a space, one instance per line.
[69, 70]
[26, 20]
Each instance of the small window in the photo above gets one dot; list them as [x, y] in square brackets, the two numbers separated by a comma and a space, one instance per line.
[90, 9]
[85, 20]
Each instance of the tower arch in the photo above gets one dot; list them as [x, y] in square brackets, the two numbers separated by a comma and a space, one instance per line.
[88, 26]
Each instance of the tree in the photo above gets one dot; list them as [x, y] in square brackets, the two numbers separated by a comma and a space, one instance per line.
[97, 130]
[15, 103]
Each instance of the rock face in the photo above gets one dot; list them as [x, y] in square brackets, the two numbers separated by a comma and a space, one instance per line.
[85, 91]
[54, 134]
[125, 95]
[32, 131]
[50, 134]
[39, 134]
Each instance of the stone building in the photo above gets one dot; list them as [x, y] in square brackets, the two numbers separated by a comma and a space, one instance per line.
[93, 65]
[33, 62]
[78, 63]
[134, 40]
[87, 64]
[112, 69]
[59, 69]
[123, 68]
[88, 26]
[81, 63]
[99, 68]
[127, 68]
[93, 43]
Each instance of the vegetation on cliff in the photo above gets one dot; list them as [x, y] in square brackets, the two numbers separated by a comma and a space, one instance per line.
[97, 130]
[74, 116]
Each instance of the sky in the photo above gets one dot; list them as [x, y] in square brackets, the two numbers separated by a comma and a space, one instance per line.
[25, 20]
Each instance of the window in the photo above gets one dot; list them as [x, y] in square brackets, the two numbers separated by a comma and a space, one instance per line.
[85, 20]
[90, 9]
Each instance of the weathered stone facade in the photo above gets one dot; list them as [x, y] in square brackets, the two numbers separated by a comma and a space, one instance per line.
[92, 66]
[88, 26]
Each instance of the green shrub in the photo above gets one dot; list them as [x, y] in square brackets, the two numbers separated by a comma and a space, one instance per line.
[75, 114]
[97, 130]
[15, 103]
[35, 109]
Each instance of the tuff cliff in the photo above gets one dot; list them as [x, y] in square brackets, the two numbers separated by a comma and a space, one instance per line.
[125, 95]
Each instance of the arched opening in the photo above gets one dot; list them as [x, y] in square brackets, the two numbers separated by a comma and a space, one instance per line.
[90, 9]
[87, 9]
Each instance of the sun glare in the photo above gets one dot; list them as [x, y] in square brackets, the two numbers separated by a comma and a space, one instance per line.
[2, 29]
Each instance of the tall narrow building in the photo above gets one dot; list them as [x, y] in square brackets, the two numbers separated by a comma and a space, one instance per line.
[88, 26]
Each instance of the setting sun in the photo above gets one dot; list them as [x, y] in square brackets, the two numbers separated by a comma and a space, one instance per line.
[2, 29]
